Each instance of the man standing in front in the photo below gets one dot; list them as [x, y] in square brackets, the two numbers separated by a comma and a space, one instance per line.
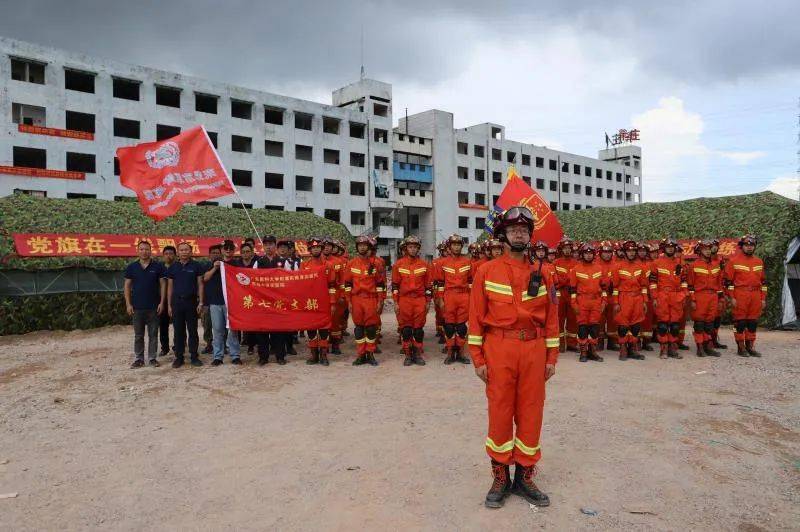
[747, 292]
[513, 339]
[215, 299]
[169, 254]
[145, 294]
[365, 288]
[185, 297]
[412, 293]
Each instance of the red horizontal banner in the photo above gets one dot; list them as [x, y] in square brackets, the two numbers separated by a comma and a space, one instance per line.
[42, 172]
[276, 300]
[53, 132]
[473, 206]
[110, 245]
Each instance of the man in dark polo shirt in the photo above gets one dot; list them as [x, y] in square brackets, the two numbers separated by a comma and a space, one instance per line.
[169, 255]
[145, 296]
[271, 341]
[215, 299]
[185, 296]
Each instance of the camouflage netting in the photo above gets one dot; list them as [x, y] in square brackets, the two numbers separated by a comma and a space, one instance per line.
[26, 214]
[775, 220]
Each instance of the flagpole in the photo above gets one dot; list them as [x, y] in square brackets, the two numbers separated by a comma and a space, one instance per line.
[235, 190]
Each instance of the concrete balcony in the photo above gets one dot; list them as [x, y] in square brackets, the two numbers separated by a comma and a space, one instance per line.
[391, 231]
[417, 173]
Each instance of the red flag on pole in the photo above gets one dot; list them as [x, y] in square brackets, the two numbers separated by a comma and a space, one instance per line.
[168, 173]
[518, 193]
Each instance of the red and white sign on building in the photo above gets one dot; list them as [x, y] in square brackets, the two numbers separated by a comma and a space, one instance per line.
[168, 173]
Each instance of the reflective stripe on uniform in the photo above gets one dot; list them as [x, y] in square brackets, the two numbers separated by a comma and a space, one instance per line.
[403, 270]
[506, 447]
[464, 268]
[542, 292]
[448, 270]
[475, 339]
[551, 342]
[498, 288]
[530, 451]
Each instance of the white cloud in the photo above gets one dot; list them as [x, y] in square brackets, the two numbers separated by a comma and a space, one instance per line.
[675, 159]
[788, 186]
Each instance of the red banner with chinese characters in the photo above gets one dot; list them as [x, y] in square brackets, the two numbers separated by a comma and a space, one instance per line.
[112, 245]
[42, 172]
[53, 132]
[518, 193]
[168, 173]
[275, 300]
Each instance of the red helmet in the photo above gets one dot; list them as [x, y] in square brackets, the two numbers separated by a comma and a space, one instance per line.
[605, 245]
[552, 251]
[666, 242]
[587, 247]
[629, 244]
[363, 239]
[517, 215]
[315, 241]
[454, 239]
[565, 241]
[748, 239]
[494, 243]
[540, 244]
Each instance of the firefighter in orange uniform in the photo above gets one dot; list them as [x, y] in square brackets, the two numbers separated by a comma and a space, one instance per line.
[336, 262]
[412, 293]
[318, 340]
[747, 289]
[477, 256]
[685, 317]
[365, 289]
[588, 298]
[704, 279]
[629, 284]
[643, 254]
[552, 255]
[513, 340]
[437, 292]
[453, 276]
[668, 293]
[608, 329]
[720, 263]
[567, 325]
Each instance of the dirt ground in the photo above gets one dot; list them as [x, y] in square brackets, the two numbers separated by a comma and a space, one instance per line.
[87, 443]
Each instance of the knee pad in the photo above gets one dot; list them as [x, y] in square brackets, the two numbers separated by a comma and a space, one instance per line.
[371, 332]
[461, 329]
[583, 332]
[312, 334]
[751, 325]
[636, 329]
[324, 334]
[419, 334]
[622, 331]
[717, 322]
[594, 331]
[449, 329]
[709, 327]
[358, 332]
[699, 326]
[406, 333]
[674, 328]
[662, 328]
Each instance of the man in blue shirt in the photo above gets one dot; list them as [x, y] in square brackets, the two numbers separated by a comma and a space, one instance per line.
[215, 299]
[185, 297]
[169, 254]
[145, 297]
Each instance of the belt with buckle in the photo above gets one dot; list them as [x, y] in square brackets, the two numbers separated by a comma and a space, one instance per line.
[524, 335]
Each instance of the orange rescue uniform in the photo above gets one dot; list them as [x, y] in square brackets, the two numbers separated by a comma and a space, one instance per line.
[454, 275]
[629, 284]
[747, 285]
[365, 288]
[411, 292]
[588, 298]
[514, 334]
[704, 279]
[668, 291]
[567, 324]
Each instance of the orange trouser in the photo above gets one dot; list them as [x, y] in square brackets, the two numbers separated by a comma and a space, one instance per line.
[515, 392]
[365, 314]
[456, 310]
[631, 312]
[411, 312]
[316, 340]
[588, 309]
[670, 308]
[704, 314]
[609, 323]
[648, 323]
[567, 322]
[337, 321]
[747, 309]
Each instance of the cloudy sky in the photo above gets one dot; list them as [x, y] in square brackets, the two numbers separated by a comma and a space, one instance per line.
[712, 85]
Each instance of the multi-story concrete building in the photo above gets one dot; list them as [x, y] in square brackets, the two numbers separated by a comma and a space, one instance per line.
[63, 115]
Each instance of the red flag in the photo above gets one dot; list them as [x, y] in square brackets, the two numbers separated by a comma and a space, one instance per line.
[518, 193]
[168, 173]
[275, 299]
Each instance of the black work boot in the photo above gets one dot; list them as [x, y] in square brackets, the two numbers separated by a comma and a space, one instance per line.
[646, 346]
[750, 349]
[526, 488]
[281, 359]
[371, 359]
[673, 351]
[335, 349]
[263, 359]
[461, 358]
[583, 348]
[501, 486]
[683, 347]
[178, 362]
[701, 350]
[195, 361]
[450, 356]
[715, 341]
[323, 357]
[709, 347]
[314, 358]
[417, 357]
[623, 351]
[741, 350]
[592, 354]
[360, 360]
[634, 351]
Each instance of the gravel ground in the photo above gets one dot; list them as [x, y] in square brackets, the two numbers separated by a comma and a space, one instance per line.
[87, 443]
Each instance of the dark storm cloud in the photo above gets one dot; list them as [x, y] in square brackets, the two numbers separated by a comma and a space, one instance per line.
[255, 43]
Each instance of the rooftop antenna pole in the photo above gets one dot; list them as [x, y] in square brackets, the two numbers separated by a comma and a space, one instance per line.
[362, 50]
